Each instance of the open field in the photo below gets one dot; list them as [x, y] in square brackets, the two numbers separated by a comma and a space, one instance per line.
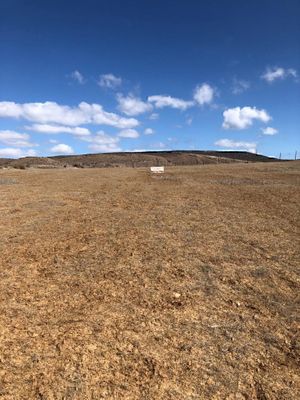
[118, 285]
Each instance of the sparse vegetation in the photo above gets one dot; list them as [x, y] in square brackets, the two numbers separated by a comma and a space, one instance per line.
[118, 285]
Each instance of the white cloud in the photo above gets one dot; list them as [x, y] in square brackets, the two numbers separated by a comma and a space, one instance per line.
[269, 131]
[12, 138]
[203, 94]
[55, 129]
[11, 152]
[78, 77]
[129, 133]
[109, 81]
[240, 86]
[154, 116]
[148, 131]
[101, 142]
[131, 105]
[189, 121]
[234, 145]
[53, 141]
[62, 149]
[274, 73]
[161, 101]
[242, 118]
[51, 112]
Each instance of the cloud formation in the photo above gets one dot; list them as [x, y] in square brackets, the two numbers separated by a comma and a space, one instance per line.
[51, 112]
[78, 77]
[55, 129]
[148, 131]
[269, 131]
[203, 94]
[154, 116]
[129, 133]
[235, 145]
[239, 86]
[101, 142]
[276, 73]
[109, 81]
[161, 101]
[242, 118]
[12, 152]
[12, 138]
[131, 105]
[62, 148]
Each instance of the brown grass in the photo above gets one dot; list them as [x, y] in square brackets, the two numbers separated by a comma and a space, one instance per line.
[118, 285]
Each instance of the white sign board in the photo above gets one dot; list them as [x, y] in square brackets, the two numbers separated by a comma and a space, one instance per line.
[157, 170]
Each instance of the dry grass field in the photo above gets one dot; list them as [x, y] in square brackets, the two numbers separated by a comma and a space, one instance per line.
[115, 284]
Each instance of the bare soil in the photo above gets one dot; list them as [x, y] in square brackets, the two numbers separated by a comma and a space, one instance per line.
[115, 284]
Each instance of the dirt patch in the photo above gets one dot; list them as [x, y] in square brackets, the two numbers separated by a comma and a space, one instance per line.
[118, 285]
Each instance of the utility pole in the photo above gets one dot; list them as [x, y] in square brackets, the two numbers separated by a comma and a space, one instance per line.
[279, 156]
[296, 155]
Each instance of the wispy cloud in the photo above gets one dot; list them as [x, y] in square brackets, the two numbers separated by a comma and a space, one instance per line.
[148, 131]
[239, 86]
[78, 77]
[276, 73]
[242, 118]
[109, 81]
[55, 129]
[154, 116]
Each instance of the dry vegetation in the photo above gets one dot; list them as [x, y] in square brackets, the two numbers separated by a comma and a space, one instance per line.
[118, 285]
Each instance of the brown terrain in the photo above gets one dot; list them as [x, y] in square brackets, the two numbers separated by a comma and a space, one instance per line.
[116, 284]
[142, 159]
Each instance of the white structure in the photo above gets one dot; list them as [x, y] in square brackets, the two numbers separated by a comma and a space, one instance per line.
[157, 170]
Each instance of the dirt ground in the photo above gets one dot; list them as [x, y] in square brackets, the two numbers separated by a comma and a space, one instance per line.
[115, 284]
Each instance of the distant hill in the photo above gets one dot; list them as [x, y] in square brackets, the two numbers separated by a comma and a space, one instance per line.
[140, 159]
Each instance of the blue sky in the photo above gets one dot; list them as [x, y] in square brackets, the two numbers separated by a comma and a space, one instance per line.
[99, 76]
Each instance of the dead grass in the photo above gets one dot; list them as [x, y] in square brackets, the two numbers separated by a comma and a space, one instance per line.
[118, 285]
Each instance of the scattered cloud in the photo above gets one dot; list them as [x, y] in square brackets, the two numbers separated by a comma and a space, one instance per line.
[62, 149]
[53, 141]
[189, 121]
[203, 94]
[131, 105]
[161, 101]
[275, 73]
[103, 143]
[235, 145]
[239, 86]
[148, 131]
[12, 138]
[55, 129]
[154, 116]
[109, 81]
[129, 133]
[242, 118]
[11, 152]
[78, 77]
[269, 131]
[51, 112]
